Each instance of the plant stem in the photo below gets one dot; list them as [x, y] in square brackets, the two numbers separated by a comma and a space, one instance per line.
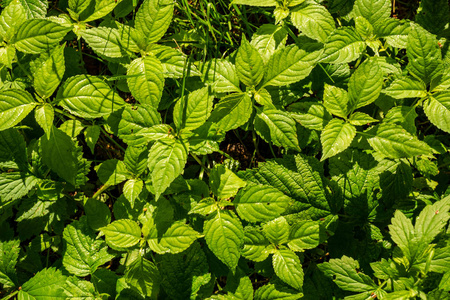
[100, 191]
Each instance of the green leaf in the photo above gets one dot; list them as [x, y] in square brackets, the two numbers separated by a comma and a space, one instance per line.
[365, 84]
[343, 46]
[179, 237]
[375, 11]
[289, 65]
[395, 142]
[404, 116]
[406, 87]
[224, 183]
[146, 80]
[122, 233]
[277, 291]
[72, 128]
[267, 39]
[97, 213]
[9, 253]
[277, 231]
[258, 203]
[91, 135]
[76, 288]
[100, 9]
[153, 18]
[281, 127]
[232, 111]
[175, 64]
[344, 274]
[224, 235]
[432, 220]
[221, 75]
[46, 284]
[44, 117]
[104, 41]
[15, 185]
[50, 73]
[336, 137]
[13, 15]
[313, 20]
[191, 111]
[59, 154]
[336, 100]
[394, 31]
[88, 97]
[13, 148]
[360, 119]
[39, 35]
[167, 158]
[311, 115]
[288, 267]
[112, 172]
[256, 2]
[131, 190]
[79, 6]
[249, 64]
[143, 276]
[15, 105]
[437, 109]
[424, 54]
[83, 253]
[304, 235]
[433, 15]
[136, 159]
[255, 244]
[402, 233]
[239, 286]
[7, 55]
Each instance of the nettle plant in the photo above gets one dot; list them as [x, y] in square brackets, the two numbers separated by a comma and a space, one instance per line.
[113, 181]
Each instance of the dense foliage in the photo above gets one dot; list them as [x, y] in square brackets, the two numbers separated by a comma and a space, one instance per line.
[259, 149]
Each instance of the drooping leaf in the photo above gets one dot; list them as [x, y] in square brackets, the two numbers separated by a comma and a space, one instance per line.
[146, 80]
[343, 46]
[39, 35]
[336, 137]
[437, 109]
[167, 158]
[15, 105]
[88, 97]
[249, 64]
[288, 267]
[153, 18]
[313, 20]
[122, 233]
[224, 235]
[232, 111]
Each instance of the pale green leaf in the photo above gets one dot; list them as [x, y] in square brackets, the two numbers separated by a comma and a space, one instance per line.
[44, 117]
[344, 274]
[249, 64]
[191, 111]
[277, 231]
[78, 289]
[167, 158]
[336, 137]
[365, 84]
[39, 35]
[131, 39]
[179, 237]
[304, 235]
[59, 154]
[255, 244]
[50, 73]
[144, 276]
[288, 267]
[289, 65]
[224, 235]
[100, 9]
[402, 233]
[79, 5]
[239, 286]
[91, 135]
[71, 127]
[153, 18]
[9, 253]
[424, 54]
[256, 2]
[375, 11]
[311, 115]
[221, 75]
[432, 219]
[406, 87]
[13, 15]
[394, 31]
[175, 64]
[204, 207]
[7, 55]
[15, 105]
[224, 183]
[46, 284]
[395, 142]
[336, 100]
[122, 233]
[88, 97]
[136, 159]
[131, 190]
[267, 39]
[281, 127]
[104, 41]
[156, 132]
[83, 253]
[343, 46]
[313, 20]
[404, 116]
[277, 291]
[112, 172]
[146, 80]
[14, 185]
[360, 119]
[258, 203]
[366, 31]
[232, 111]
[437, 109]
